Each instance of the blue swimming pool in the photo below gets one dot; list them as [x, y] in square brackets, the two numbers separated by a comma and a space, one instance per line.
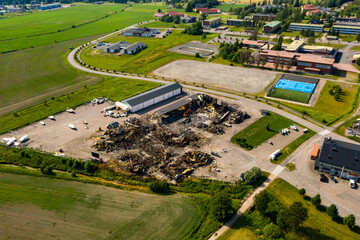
[295, 86]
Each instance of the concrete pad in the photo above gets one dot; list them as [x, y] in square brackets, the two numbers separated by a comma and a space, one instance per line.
[248, 80]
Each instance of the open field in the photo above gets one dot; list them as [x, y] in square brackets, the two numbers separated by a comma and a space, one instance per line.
[347, 38]
[301, 97]
[348, 124]
[148, 59]
[226, 7]
[113, 88]
[43, 74]
[327, 110]
[355, 48]
[318, 226]
[46, 208]
[261, 130]
[42, 31]
[249, 80]
[160, 24]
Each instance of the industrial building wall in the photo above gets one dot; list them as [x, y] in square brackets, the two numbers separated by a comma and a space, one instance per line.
[155, 100]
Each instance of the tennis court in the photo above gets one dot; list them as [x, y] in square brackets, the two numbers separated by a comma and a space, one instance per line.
[296, 86]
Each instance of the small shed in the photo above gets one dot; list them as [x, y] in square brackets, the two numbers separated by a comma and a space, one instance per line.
[315, 152]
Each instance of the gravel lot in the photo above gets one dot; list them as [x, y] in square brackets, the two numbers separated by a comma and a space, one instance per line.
[247, 80]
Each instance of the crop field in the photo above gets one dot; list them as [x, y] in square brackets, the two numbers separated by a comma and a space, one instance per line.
[43, 28]
[318, 226]
[148, 59]
[261, 130]
[45, 208]
[290, 95]
[226, 7]
[327, 110]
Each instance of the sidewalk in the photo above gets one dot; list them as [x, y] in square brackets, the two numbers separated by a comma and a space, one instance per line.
[245, 206]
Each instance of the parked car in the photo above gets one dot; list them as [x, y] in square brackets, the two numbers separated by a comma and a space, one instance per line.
[323, 178]
[334, 179]
[242, 175]
[352, 183]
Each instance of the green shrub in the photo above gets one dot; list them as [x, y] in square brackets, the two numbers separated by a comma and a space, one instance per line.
[252, 175]
[160, 187]
[272, 231]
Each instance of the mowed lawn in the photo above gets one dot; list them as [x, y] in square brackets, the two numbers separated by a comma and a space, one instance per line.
[148, 59]
[29, 76]
[45, 208]
[327, 110]
[116, 89]
[261, 130]
[119, 16]
[318, 226]
[290, 95]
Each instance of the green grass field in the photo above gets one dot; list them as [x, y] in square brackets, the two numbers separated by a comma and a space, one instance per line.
[327, 110]
[115, 89]
[42, 28]
[29, 76]
[290, 95]
[46, 208]
[318, 226]
[148, 59]
[226, 7]
[347, 124]
[347, 38]
[355, 48]
[261, 130]
[334, 45]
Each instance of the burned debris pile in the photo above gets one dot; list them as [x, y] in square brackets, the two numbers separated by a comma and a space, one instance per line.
[164, 145]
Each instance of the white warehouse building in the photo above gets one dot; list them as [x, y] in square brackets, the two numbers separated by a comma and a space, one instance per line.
[152, 97]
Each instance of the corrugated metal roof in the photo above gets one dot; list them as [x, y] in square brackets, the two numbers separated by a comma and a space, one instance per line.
[272, 24]
[146, 96]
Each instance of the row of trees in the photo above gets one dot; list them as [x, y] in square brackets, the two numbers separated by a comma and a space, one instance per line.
[332, 210]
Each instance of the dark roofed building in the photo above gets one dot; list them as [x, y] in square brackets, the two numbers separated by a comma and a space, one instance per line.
[339, 158]
[152, 97]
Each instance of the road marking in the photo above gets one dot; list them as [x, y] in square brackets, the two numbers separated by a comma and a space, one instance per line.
[277, 170]
[323, 133]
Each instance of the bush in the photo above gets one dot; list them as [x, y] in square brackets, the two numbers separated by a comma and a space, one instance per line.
[221, 207]
[252, 175]
[197, 55]
[261, 201]
[316, 201]
[332, 211]
[47, 170]
[272, 231]
[160, 187]
[302, 192]
[73, 173]
[350, 221]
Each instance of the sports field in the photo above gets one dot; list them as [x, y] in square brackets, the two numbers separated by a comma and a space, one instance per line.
[261, 130]
[327, 110]
[44, 208]
[318, 226]
[148, 59]
[290, 95]
[42, 28]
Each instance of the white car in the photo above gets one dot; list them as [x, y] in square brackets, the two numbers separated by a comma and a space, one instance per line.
[352, 183]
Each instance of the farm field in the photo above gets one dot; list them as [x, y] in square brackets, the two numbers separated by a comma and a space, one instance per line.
[148, 59]
[42, 31]
[116, 89]
[327, 110]
[226, 7]
[318, 226]
[46, 208]
[290, 95]
[43, 74]
[261, 130]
